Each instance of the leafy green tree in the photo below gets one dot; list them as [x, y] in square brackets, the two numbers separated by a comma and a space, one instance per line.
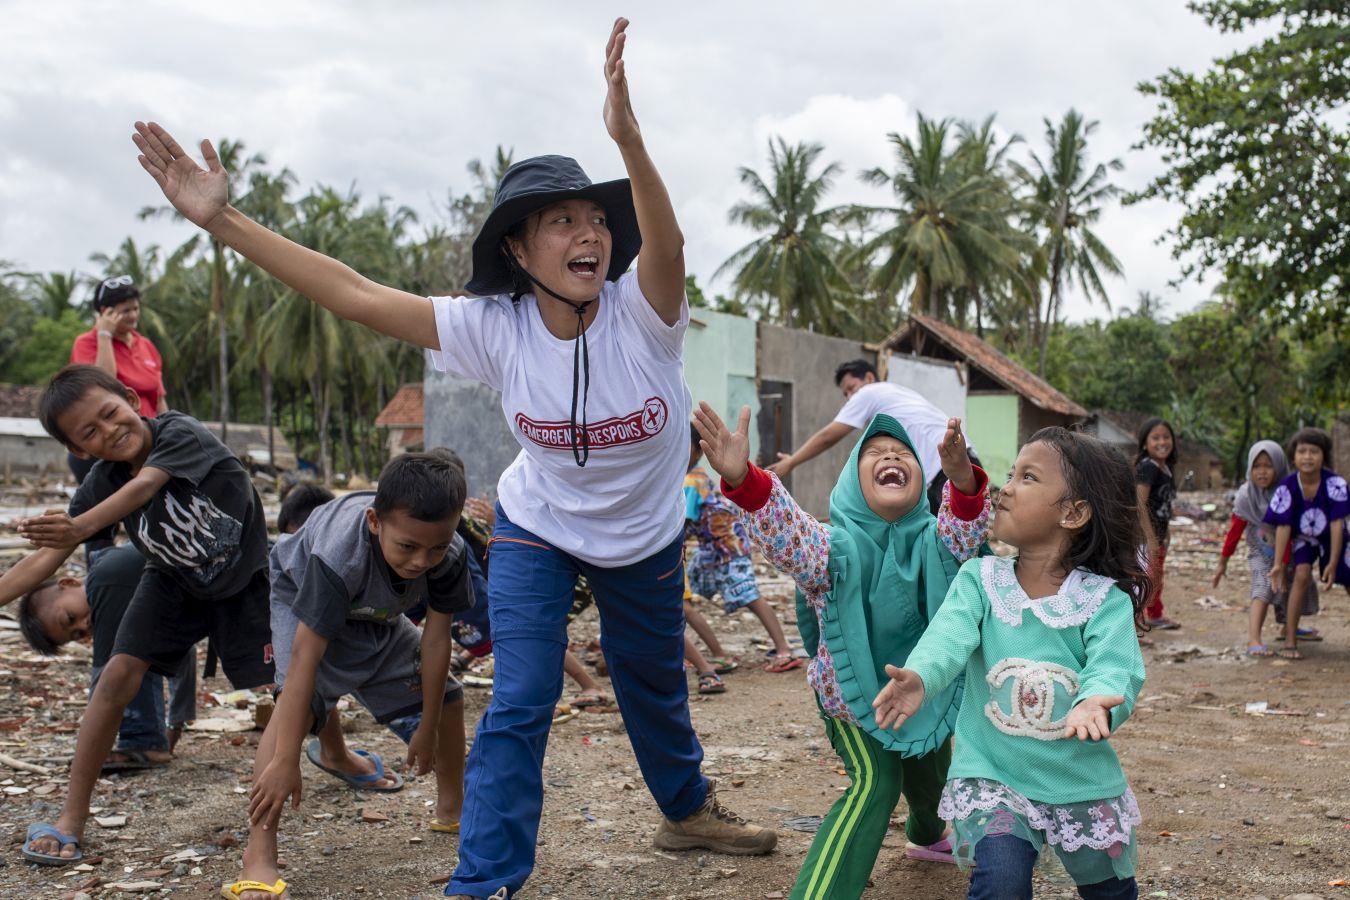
[1065, 196]
[1258, 152]
[1236, 372]
[794, 263]
[46, 348]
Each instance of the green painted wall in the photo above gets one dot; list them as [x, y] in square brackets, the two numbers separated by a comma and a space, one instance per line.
[991, 425]
[719, 366]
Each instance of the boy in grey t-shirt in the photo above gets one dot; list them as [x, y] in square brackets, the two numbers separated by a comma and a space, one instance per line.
[340, 586]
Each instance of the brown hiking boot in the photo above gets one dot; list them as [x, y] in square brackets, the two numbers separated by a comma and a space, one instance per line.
[715, 828]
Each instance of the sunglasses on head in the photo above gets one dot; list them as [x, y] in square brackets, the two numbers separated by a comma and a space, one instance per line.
[109, 284]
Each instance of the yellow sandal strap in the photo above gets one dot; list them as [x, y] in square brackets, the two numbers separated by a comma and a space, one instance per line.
[240, 886]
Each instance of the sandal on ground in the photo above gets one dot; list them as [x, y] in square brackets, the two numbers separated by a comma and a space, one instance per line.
[1309, 634]
[783, 662]
[42, 830]
[724, 664]
[133, 760]
[1289, 652]
[369, 781]
[587, 699]
[440, 827]
[940, 852]
[232, 891]
[711, 684]
[1259, 650]
[1162, 624]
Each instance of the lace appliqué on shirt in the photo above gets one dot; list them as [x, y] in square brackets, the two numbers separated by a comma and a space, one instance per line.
[1104, 825]
[1033, 698]
[1079, 596]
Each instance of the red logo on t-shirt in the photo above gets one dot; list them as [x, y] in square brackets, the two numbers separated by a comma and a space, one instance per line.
[630, 429]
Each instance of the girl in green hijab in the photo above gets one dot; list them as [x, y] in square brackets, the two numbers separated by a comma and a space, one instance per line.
[872, 580]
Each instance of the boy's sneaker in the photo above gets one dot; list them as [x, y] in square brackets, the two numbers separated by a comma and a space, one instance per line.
[715, 828]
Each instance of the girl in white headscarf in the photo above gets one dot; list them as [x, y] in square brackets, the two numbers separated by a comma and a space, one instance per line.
[1266, 465]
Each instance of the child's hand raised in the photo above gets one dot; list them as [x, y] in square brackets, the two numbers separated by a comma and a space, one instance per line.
[900, 698]
[1091, 718]
[53, 529]
[728, 452]
[955, 459]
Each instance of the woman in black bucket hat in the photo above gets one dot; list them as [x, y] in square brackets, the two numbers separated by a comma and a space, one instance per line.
[588, 358]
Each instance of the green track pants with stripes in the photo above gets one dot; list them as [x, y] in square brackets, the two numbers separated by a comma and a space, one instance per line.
[845, 849]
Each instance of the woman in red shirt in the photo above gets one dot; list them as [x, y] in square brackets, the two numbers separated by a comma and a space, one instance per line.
[115, 346]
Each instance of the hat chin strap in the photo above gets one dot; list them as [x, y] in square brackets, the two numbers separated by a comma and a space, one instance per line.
[581, 362]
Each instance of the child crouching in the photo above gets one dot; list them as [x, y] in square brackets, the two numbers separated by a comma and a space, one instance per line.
[340, 586]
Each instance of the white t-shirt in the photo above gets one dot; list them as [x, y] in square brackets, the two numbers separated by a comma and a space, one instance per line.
[625, 504]
[925, 423]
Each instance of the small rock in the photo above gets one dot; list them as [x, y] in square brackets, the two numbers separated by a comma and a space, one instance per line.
[1278, 842]
[180, 870]
[116, 821]
[327, 851]
[1333, 814]
[728, 873]
[371, 815]
[1248, 821]
[135, 887]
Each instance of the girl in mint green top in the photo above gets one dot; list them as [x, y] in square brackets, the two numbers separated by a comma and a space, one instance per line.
[1046, 642]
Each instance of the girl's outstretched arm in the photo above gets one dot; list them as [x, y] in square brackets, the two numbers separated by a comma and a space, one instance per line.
[793, 542]
[202, 196]
[661, 263]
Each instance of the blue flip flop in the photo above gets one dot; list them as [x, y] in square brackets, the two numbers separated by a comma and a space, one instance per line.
[367, 782]
[41, 830]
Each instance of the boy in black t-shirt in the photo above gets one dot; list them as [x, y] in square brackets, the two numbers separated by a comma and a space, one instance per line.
[190, 508]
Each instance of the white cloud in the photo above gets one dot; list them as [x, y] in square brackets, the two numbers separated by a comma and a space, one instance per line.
[398, 98]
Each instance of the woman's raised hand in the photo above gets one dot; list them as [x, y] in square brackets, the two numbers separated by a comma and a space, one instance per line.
[619, 119]
[728, 452]
[199, 194]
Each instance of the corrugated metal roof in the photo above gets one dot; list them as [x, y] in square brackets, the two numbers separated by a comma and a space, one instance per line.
[990, 361]
[405, 410]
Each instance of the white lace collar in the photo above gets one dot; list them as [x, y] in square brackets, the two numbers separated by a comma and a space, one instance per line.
[1078, 598]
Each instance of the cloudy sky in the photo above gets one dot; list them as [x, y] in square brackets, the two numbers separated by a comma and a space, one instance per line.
[397, 98]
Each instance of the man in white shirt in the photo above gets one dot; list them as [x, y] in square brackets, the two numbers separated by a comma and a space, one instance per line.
[865, 396]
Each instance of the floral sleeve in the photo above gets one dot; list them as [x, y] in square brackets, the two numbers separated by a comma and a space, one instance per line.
[963, 520]
[792, 540]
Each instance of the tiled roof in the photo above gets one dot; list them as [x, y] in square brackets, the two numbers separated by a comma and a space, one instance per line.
[18, 401]
[405, 410]
[984, 357]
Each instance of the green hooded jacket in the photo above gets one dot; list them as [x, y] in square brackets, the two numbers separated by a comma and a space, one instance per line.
[887, 581]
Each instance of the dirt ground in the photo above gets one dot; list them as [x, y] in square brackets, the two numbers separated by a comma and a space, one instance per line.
[1234, 804]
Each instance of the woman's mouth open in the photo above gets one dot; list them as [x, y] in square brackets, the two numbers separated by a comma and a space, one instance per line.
[584, 266]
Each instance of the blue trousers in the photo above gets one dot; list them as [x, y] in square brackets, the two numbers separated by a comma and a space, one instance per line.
[642, 632]
[1003, 865]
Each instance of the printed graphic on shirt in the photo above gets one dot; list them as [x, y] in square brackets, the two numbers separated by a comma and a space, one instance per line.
[193, 535]
[1337, 489]
[1313, 522]
[634, 428]
[1281, 501]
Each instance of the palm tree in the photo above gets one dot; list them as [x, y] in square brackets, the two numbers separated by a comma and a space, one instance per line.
[55, 291]
[795, 263]
[950, 229]
[1065, 195]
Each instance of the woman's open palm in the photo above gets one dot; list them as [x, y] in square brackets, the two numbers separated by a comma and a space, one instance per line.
[619, 119]
[199, 194]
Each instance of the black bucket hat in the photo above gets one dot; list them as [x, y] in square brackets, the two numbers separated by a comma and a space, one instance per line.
[534, 183]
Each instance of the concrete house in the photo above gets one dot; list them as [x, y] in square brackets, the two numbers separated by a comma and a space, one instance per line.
[1002, 403]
